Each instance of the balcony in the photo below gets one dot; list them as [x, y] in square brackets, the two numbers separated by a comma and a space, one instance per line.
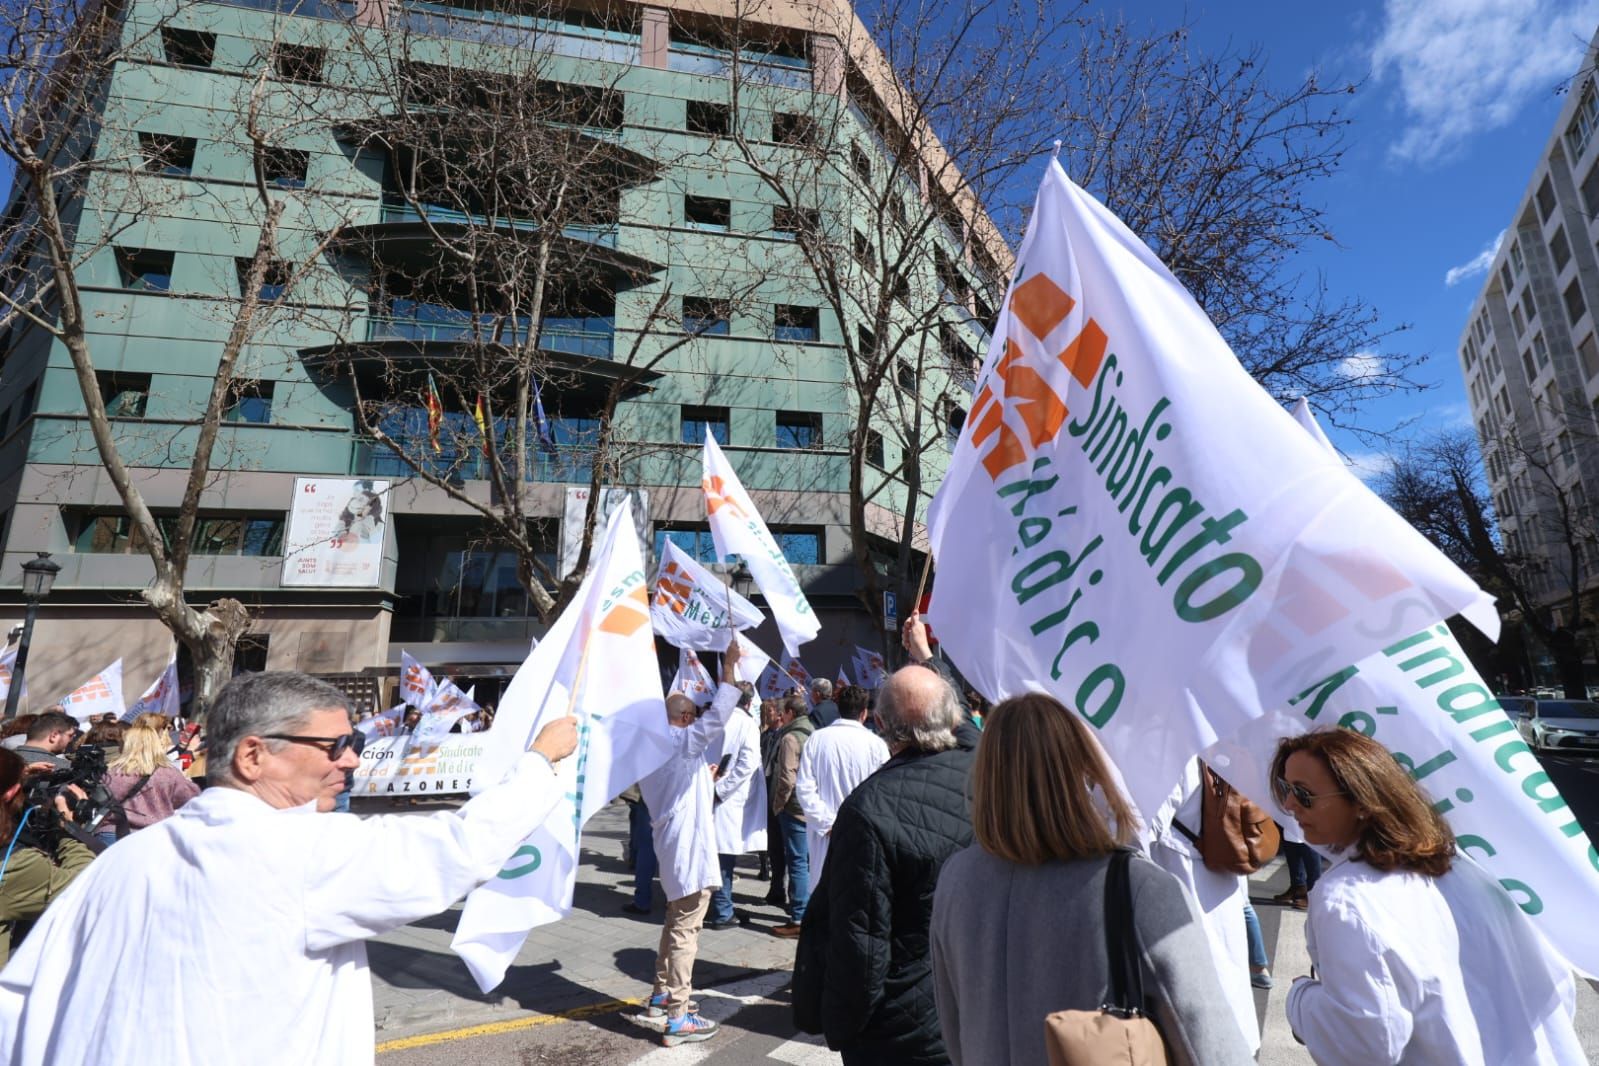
[518, 31]
[602, 234]
[593, 338]
[564, 464]
[760, 68]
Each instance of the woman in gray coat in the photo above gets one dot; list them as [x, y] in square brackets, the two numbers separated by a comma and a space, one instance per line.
[1018, 918]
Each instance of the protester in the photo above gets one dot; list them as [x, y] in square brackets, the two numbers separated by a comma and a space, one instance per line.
[143, 784]
[740, 814]
[797, 729]
[1304, 867]
[1019, 920]
[106, 734]
[641, 852]
[861, 974]
[31, 877]
[679, 795]
[773, 864]
[835, 760]
[1419, 955]
[50, 734]
[824, 712]
[249, 907]
[14, 734]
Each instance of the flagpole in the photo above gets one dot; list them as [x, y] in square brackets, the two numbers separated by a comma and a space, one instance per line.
[921, 586]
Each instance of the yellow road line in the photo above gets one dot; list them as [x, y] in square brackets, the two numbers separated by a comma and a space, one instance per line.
[510, 1026]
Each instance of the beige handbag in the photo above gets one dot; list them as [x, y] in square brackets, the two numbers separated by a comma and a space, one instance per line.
[1119, 1033]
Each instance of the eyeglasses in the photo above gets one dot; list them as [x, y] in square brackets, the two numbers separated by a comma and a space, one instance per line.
[1301, 795]
[337, 746]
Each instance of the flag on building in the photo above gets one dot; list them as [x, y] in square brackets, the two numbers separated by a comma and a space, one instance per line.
[691, 607]
[541, 423]
[101, 694]
[693, 680]
[592, 663]
[480, 416]
[737, 529]
[162, 695]
[1131, 523]
[870, 668]
[435, 409]
[417, 686]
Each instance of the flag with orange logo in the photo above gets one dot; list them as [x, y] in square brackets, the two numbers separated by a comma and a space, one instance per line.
[692, 608]
[1132, 524]
[435, 409]
[597, 662]
[870, 667]
[417, 686]
[101, 694]
[693, 680]
[737, 529]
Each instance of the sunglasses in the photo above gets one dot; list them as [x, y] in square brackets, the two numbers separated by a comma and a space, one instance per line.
[1301, 795]
[337, 746]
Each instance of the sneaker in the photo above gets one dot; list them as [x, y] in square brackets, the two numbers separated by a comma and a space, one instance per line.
[656, 1007]
[1260, 978]
[728, 923]
[689, 1029]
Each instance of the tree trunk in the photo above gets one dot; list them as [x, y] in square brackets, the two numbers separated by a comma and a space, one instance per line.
[1566, 652]
[211, 650]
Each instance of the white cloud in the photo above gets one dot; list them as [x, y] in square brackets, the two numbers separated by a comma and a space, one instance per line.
[1368, 466]
[1477, 264]
[1467, 66]
[1362, 365]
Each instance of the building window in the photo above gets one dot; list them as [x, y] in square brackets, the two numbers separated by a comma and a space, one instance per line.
[1563, 444]
[710, 119]
[123, 394]
[788, 223]
[860, 162]
[1560, 249]
[1516, 322]
[696, 543]
[592, 106]
[1526, 365]
[954, 421]
[1583, 122]
[874, 449]
[794, 323]
[262, 536]
[697, 420]
[189, 48]
[1528, 307]
[1575, 306]
[905, 376]
[1588, 356]
[799, 429]
[799, 547]
[793, 129]
[283, 168]
[1505, 281]
[214, 534]
[1546, 199]
[865, 342]
[707, 212]
[251, 401]
[1516, 262]
[896, 210]
[298, 62]
[1540, 350]
[706, 317]
[863, 251]
[274, 280]
[165, 153]
[145, 269]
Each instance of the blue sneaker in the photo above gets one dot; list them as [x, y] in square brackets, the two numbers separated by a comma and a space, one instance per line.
[689, 1029]
[656, 1008]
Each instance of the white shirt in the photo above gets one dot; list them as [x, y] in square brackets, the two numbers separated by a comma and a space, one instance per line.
[1414, 969]
[740, 814]
[836, 759]
[679, 798]
[232, 932]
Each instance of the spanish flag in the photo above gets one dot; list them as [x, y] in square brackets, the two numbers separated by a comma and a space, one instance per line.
[435, 408]
[482, 420]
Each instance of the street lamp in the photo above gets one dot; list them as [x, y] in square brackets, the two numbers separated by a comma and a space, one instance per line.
[37, 577]
[742, 579]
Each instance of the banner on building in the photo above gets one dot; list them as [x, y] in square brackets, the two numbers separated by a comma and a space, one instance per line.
[336, 533]
[611, 499]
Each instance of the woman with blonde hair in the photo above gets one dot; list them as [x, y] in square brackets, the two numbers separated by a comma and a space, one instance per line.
[142, 781]
[1019, 918]
[1419, 955]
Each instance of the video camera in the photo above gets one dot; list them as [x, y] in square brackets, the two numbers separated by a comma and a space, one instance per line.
[45, 825]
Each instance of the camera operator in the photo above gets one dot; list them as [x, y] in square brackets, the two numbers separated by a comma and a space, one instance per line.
[49, 735]
[32, 876]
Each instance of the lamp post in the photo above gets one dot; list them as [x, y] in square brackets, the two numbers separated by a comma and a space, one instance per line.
[37, 577]
[742, 579]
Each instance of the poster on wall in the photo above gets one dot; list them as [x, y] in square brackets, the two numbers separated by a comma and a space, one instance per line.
[335, 535]
[577, 501]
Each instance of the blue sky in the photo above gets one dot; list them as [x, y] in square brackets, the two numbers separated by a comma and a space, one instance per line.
[1457, 100]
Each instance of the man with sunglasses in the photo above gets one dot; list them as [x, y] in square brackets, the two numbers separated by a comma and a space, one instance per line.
[251, 905]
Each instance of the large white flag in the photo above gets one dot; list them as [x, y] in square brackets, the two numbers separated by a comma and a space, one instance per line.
[439, 715]
[693, 680]
[598, 662]
[1132, 524]
[752, 661]
[737, 529]
[8, 665]
[870, 668]
[101, 694]
[385, 724]
[162, 695]
[417, 686]
[691, 607]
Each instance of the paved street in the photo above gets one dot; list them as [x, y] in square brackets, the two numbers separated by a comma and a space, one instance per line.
[569, 997]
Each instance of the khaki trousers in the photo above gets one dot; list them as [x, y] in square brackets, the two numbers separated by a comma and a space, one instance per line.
[680, 942]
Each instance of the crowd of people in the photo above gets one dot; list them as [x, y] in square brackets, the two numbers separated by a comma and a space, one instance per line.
[947, 870]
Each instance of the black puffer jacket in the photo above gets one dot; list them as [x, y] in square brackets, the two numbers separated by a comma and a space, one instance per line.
[863, 971]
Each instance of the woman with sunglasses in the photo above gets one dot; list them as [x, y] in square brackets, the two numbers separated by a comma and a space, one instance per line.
[1419, 956]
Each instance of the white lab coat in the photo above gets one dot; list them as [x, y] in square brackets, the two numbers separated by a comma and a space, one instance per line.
[1414, 969]
[1220, 896]
[740, 814]
[679, 798]
[837, 758]
[232, 932]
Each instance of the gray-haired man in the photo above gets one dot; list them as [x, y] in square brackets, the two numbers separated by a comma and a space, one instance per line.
[250, 905]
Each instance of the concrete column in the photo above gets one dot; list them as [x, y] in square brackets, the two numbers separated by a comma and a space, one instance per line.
[827, 65]
[654, 37]
[372, 12]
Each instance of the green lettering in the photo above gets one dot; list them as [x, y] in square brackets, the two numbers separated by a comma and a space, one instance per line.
[1106, 672]
[1323, 690]
[1241, 589]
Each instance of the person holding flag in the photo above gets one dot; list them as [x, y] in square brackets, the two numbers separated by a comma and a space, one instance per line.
[740, 803]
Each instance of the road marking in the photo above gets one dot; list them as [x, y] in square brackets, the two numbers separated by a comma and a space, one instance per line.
[510, 1025]
[1290, 959]
[804, 1051]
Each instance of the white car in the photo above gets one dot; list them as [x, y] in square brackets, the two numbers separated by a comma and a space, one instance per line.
[1565, 726]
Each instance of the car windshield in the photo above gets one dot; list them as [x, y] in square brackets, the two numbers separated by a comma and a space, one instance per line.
[1517, 705]
[1568, 709]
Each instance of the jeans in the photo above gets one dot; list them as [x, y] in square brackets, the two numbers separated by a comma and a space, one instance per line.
[1257, 942]
[722, 898]
[1304, 864]
[644, 865]
[799, 865]
[774, 854]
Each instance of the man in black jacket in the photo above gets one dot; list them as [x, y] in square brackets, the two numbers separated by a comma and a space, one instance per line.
[863, 970]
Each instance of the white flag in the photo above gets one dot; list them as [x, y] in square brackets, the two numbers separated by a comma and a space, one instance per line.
[796, 670]
[843, 678]
[439, 715]
[752, 661]
[1131, 523]
[737, 529]
[870, 668]
[161, 697]
[8, 663]
[774, 683]
[597, 662]
[386, 724]
[691, 606]
[693, 680]
[101, 694]
[417, 686]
